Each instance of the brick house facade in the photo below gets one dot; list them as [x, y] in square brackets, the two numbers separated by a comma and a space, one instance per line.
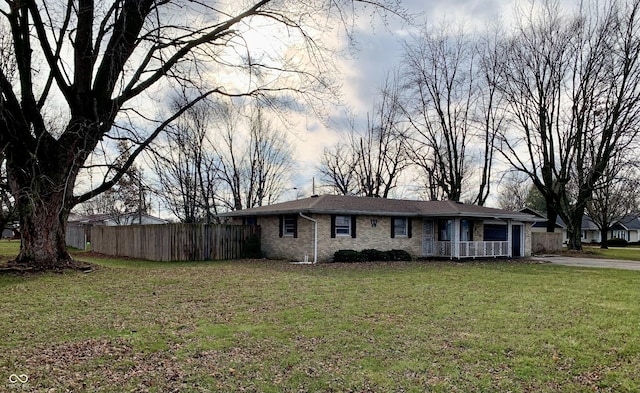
[313, 229]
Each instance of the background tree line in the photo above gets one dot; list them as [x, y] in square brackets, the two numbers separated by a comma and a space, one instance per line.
[78, 78]
[83, 88]
[552, 101]
[218, 156]
[223, 155]
[555, 98]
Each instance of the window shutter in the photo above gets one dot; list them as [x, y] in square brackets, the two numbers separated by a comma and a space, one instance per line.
[409, 227]
[393, 227]
[295, 226]
[280, 226]
[353, 226]
[333, 225]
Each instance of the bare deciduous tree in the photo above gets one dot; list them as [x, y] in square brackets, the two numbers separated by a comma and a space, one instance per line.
[254, 159]
[381, 151]
[186, 167]
[271, 161]
[8, 212]
[532, 88]
[373, 159]
[98, 65]
[514, 190]
[453, 111]
[337, 169]
[614, 197]
[127, 199]
[572, 82]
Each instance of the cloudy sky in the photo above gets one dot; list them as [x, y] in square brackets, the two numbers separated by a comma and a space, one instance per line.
[378, 50]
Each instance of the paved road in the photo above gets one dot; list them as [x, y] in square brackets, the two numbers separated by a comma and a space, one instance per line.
[589, 262]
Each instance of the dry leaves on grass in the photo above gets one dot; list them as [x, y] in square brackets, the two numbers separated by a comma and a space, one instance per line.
[103, 365]
[97, 365]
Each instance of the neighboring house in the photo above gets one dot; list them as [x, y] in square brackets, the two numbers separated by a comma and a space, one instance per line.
[541, 226]
[315, 228]
[79, 228]
[11, 231]
[589, 231]
[115, 220]
[627, 228]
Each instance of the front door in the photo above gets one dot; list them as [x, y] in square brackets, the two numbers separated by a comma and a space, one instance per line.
[516, 240]
[427, 238]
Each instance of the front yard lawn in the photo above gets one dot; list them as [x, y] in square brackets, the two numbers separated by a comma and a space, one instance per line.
[630, 253]
[265, 326]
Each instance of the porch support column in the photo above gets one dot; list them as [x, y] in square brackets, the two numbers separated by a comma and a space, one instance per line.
[455, 238]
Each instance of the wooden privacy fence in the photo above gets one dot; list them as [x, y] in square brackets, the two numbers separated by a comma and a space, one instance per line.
[546, 242]
[76, 235]
[174, 242]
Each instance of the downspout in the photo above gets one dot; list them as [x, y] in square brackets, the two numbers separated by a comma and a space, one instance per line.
[315, 237]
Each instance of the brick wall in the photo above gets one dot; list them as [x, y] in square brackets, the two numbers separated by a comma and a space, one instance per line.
[367, 236]
[478, 231]
[527, 239]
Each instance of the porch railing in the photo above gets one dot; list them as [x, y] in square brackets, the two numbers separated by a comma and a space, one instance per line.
[472, 249]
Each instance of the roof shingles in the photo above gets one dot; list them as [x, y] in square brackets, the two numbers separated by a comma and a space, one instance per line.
[341, 204]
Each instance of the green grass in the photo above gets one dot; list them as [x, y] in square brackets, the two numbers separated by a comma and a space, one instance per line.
[631, 253]
[8, 249]
[267, 326]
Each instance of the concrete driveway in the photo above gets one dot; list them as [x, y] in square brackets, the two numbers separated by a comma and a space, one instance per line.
[588, 262]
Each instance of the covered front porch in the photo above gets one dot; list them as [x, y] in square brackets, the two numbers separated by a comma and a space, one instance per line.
[460, 237]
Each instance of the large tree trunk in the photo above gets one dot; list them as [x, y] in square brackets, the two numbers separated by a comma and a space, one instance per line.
[42, 227]
[574, 232]
[575, 241]
[604, 235]
[43, 200]
[552, 215]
